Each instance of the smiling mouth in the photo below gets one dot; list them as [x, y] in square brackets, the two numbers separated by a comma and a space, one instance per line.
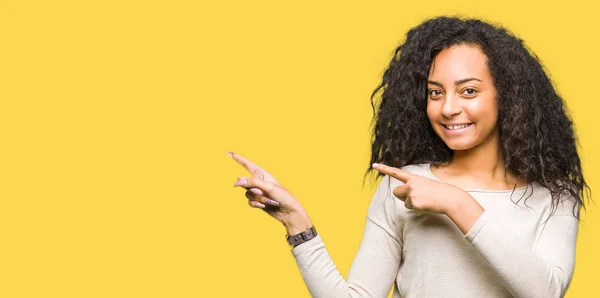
[458, 126]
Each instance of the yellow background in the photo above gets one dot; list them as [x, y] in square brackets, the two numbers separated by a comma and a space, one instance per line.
[115, 117]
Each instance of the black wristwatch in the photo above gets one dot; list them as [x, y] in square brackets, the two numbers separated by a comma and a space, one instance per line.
[302, 237]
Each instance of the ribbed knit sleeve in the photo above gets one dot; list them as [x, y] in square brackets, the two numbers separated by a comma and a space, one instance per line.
[376, 264]
[542, 271]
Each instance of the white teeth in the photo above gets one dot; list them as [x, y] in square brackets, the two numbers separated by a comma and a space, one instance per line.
[452, 127]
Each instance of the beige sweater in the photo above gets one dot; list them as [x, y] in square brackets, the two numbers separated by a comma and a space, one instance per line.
[510, 251]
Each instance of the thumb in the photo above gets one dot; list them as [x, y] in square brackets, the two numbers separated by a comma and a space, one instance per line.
[401, 192]
[267, 188]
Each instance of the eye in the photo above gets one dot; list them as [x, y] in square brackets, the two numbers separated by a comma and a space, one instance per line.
[434, 93]
[469, 91]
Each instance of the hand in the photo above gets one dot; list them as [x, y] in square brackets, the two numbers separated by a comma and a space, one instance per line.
[265, 192]
[253, 169]
[423, 194]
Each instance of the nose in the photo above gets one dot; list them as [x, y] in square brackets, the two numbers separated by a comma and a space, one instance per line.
[451, 107]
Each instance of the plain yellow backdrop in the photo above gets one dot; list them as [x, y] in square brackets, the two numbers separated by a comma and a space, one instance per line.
[115, 117]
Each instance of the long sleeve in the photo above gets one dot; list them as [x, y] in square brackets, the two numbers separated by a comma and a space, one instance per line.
[376, 264]
[544, 271]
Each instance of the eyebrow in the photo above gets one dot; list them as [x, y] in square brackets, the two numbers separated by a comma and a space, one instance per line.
[455, 82]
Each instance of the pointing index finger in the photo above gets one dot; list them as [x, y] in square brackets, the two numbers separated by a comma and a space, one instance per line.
[394, 172]
[247, 164]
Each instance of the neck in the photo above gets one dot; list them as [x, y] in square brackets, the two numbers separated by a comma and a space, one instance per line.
[489, 164]
[480, 167]
[485, 161]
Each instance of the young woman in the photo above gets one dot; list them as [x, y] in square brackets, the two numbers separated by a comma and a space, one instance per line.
[482, 183]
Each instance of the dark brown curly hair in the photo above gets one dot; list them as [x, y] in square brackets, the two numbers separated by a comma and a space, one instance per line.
[536, 133]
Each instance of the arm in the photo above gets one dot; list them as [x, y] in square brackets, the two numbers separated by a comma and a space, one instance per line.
[376, 264]
[544, 271]
[378, 259]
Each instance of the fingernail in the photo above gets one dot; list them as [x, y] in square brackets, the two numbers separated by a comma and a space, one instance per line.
[230, 153]
[240, 182]
[271, 202]
[375, 164]
[259, 204]
[256, 191]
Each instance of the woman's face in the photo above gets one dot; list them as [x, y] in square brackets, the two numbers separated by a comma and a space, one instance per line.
[461, 103]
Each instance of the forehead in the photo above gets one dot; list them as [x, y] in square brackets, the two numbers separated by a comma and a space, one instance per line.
[459, 62]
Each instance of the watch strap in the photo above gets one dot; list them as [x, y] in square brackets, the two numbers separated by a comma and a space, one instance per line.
[302, 237]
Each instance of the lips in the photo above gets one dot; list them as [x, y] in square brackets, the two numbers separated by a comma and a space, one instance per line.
[457, 126]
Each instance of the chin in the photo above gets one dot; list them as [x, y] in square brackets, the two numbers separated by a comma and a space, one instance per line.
[459, 146]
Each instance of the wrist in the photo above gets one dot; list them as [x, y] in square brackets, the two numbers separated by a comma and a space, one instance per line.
[459, 201]
[465, 211]
[297, 223]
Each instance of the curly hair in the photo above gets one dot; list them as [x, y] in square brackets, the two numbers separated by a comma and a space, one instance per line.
[537, 139]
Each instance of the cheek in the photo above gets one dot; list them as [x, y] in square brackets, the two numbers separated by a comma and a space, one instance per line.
[491, 111]
[431, 110]
[483, 110]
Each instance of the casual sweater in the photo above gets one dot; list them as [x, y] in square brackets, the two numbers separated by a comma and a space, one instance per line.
[513, 249]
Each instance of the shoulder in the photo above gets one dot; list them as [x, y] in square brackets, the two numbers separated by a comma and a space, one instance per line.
[541, 197]
[385, 207]
[416, 169]
[388, 183]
